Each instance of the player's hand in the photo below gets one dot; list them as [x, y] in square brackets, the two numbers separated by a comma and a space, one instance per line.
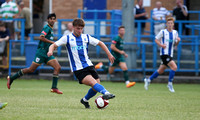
[163, 46]
[111, 58]
[125, 55]
[122, 52]
[49, 54]
[178, 39]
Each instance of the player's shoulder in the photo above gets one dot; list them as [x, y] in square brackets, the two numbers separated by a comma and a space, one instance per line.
[175, 31]
[116, 38]
[45, 26]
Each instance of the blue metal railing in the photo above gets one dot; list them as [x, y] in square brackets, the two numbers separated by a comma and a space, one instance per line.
[113, 23]
[143, 59]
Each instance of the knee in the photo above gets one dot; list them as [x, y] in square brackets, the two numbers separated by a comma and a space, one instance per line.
[174, 68]
[58, 68]
[160, 71]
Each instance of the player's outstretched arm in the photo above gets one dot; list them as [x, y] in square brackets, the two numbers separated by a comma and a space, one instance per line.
[104, 47]
[52, 47]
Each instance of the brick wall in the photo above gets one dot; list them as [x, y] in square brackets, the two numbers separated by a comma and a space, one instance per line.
[67, 9]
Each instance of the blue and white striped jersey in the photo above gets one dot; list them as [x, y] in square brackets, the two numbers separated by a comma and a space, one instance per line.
[77, 49]
[167, 38]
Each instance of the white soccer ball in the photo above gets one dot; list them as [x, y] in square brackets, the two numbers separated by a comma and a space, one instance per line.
[101, 103]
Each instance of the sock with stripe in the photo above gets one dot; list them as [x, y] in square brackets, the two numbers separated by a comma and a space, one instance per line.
[16, 75]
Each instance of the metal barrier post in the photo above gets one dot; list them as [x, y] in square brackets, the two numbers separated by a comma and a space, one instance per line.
[179, 55]
[196, 56]
[59, 36]
[154, 54]
[22, 35]
[10, 56]
[143, 59]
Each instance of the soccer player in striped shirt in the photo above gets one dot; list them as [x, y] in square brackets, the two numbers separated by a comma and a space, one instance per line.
[77, 46]
[166, 39]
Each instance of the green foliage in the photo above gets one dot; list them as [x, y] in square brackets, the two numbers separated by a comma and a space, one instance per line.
[32, 100]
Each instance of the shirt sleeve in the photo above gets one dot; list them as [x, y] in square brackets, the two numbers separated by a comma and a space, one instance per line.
[15, 9]
[167, 12]
[92, 40]
[186, 10]
[61, 41]
[114, 41]
[159, 35]
[44, 32]
[176, 36]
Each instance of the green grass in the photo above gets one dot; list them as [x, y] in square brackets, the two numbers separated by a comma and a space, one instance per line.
[31, 100]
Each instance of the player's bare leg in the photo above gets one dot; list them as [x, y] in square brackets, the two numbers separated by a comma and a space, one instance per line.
[20, 73]
[54, 63]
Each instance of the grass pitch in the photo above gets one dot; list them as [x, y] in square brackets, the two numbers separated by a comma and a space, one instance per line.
[32, 100]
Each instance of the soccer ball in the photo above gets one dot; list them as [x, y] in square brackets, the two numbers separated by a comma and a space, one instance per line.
[101, 103]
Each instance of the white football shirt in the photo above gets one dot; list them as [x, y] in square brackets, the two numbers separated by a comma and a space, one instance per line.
[77, 48]
[167, 38]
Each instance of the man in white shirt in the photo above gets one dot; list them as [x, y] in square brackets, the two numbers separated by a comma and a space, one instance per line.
[69, 29]
[9, 10]
[159, 13]
[77, 47]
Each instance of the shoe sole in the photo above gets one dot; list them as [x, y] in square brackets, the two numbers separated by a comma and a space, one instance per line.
[55, 92]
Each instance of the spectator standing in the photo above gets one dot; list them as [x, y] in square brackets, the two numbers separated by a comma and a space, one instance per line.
[69, 29]
[180, 12]
[9, 10]
[140, 14]
[26, 14]
[159, 13]
[4, 37]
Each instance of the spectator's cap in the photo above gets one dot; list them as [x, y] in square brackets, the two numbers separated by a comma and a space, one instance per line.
[51, 15]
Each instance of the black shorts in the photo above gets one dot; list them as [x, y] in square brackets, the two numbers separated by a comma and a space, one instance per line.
[165, 59]
[27, 32]
[81, 74]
